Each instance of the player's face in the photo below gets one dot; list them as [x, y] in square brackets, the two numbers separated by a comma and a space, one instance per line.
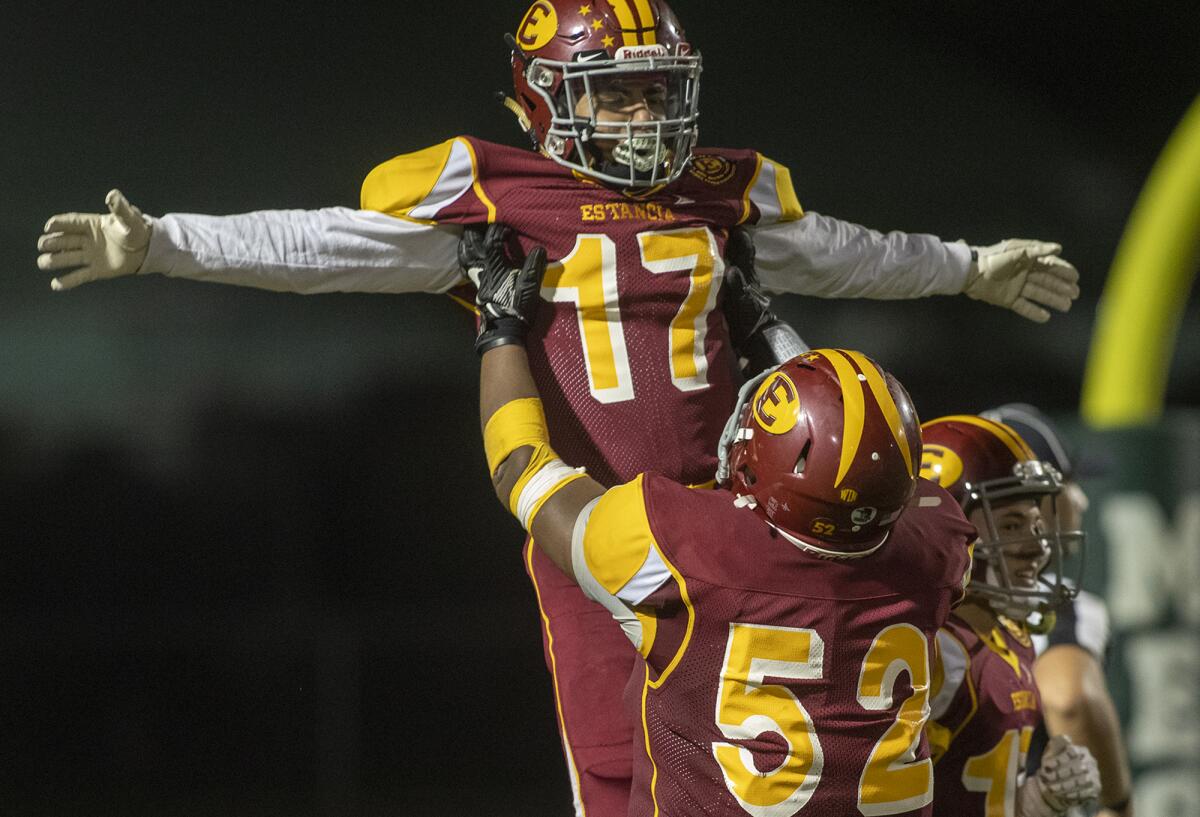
[1019, 523]
[621, 100]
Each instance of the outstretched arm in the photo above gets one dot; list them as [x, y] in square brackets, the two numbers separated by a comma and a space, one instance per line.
[334, 249]
[829, 258]
[544, 493]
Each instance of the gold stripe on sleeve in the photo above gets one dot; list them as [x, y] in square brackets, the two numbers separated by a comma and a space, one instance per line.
[403, 183]
[788, 203]
[477, 185]
[618, 538]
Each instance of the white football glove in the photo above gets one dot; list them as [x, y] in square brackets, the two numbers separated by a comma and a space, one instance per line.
[1067, 777]
[1024, 276]
[102, 245]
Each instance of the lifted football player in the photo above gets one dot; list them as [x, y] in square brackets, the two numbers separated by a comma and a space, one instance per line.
[985, 705]
[636, 219]
[786, 621]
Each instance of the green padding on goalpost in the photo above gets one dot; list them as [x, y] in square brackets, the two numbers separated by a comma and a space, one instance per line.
[1147, 290]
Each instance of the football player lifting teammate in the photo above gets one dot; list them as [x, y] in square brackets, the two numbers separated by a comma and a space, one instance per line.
[636, 219]
[786, 620]
[985, 705]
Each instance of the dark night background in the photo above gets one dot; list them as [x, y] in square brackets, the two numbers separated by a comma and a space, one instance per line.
[251, 562]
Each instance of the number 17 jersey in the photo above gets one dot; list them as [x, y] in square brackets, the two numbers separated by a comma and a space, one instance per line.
[630, 354]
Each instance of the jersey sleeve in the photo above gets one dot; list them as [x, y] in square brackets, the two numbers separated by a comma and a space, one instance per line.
[954, 700]
[770, 197]
[829, 258]
[617, 561]
[334, 249]
[442, 184]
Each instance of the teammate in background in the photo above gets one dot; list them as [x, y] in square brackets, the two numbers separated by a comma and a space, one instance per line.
[985, 701]
[636, 219]
[786, 621]
[1070, 665]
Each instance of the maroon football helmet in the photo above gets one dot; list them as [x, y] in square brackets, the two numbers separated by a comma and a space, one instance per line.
[565, 54]
[984, 463]
[825, 448]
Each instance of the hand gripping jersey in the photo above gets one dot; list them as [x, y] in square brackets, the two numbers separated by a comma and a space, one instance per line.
[984, 712]
[632, 361]
[775, 683]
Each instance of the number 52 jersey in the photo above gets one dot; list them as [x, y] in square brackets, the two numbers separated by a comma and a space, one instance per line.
[630, 355]
[775, 683]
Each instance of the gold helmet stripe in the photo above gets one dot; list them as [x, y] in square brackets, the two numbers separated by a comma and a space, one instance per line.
[886, 403]
[646, 14]
[854, 409]
[636, 20]
[1018, 447]
[625, 18]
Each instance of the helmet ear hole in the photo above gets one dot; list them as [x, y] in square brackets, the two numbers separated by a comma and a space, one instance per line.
[802, 461]
[747, 475]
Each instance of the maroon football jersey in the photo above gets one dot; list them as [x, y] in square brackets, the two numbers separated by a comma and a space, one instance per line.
[632, 360]
[985, 708]
[776, 682]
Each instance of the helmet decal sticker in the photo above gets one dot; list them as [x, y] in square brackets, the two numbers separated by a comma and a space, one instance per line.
[864, 515]
[941, 465]
[777, 404]
[538, 27]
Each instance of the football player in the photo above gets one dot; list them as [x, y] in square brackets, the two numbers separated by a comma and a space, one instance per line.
[1070, 664]
[985, 702]
[635, 218]
[785, 621]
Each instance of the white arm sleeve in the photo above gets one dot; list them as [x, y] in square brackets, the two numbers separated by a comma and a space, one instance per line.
[823, 256]
[334, 249]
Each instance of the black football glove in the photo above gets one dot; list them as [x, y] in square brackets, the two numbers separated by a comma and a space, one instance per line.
[759, 337]
[507, 296]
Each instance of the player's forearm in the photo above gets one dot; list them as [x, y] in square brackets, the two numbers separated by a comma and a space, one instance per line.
[537, 487]
[334, 249]
[1077, 704]
[504, 376]
[1098, 727]
[829, 258]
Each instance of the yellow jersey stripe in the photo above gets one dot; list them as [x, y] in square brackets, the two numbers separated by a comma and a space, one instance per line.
[758, 166]
[1006, 435]
[792, 211]
[854, 410]
[618, 538]
[884, 398]
[646, 736]
[649, 631]
[477, 185]
[401, 184]
[572, 771]
[691, 613]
